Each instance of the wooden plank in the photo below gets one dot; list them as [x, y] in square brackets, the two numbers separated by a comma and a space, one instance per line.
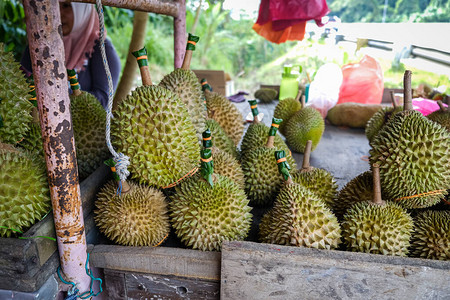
[159, 260]
[215, 78]
[114, 285]
[150, 286]
[265, 271]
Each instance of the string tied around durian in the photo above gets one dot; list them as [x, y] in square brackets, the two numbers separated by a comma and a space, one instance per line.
[283, 165]
[122, 161]
[431, 193]
[189, 174]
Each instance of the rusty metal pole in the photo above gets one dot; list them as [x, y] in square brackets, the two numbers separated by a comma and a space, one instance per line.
[179, 29]
[44, 34]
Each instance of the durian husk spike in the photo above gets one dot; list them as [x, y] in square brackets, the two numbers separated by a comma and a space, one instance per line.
[394, 103]
[441, 106]
[306, 167]
[377, 186]
[303, 100]
[407, 91]
[35, 115]
[143, 68]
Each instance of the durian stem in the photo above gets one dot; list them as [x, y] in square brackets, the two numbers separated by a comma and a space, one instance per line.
[441, 105]
[145, 75]
[376, 186]
[187, 60]
[76, 92]
[407, 91]
[255, 119]
[270, 141]
[306, 156]
[289, 180]
[394, 103]
[299, 93]
[303, 101]
[125, 187]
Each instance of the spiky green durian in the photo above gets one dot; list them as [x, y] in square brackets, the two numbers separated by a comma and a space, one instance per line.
[306, 124]
[379, 119]
[206, 213]
[226, 165]
[220, 139]
[300, 218]
[266, 95]
[441, 116]
[136, 218]
[24, 192]
[412, 152]
[256, 136]
[15, 109]
[379, 229]
[285, 109]
[89, 121]
[32, 141]
[153, 128]
[185, 84]
[226, 114]
[356, 190]
[431, 236]
[319, 181]
[262, 180]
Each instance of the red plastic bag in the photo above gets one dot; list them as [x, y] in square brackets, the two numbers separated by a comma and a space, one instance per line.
[362, 82]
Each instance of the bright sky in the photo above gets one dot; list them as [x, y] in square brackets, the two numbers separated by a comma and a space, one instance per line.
[250, 7]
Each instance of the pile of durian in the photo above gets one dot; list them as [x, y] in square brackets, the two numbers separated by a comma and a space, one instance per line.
[191, 183]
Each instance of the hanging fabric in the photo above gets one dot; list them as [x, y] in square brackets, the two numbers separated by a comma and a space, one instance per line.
[280, 20]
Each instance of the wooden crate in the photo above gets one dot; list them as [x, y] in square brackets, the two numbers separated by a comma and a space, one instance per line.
[28, 263]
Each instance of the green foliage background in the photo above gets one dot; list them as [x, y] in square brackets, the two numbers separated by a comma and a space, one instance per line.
[231, 45]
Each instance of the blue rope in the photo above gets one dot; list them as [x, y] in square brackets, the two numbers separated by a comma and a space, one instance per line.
[72, 294]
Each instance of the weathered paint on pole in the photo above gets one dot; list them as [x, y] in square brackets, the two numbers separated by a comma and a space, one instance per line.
[44, 34]
[163, 7]
[179, 28]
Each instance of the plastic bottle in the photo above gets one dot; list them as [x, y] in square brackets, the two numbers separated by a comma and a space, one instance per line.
[289, 83]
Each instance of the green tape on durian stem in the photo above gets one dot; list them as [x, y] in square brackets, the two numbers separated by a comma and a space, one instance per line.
[283, 166]
[206, 136]
[112, 164]
[141, 57]
[206, 166]
[32, 91]
[72, 75]
[205, 85]
[254, 107]
[275, 124]
[192, 41]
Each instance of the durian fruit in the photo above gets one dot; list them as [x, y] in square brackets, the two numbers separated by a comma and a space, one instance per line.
[89, 121]
[351, 114]
[15, 109]
[431, 236]
[441, 116]
[299, 217]
[306, 124]
[266, 95]
[32, 141]
[257, 133]
[185, 84]
[412, 152]
[376, 226]
[208, 209]
[225, 113]
[356, 190]
[136, 218]
[285, 109]
[262, 180]
[380, 118]
[224, 164]
[24, 192]
[220, 139]
[152, 127]
[318, 181]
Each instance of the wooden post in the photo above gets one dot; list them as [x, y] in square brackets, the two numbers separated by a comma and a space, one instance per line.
[47, 57]
[179, 29]
[407, 91]
[162, 7]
